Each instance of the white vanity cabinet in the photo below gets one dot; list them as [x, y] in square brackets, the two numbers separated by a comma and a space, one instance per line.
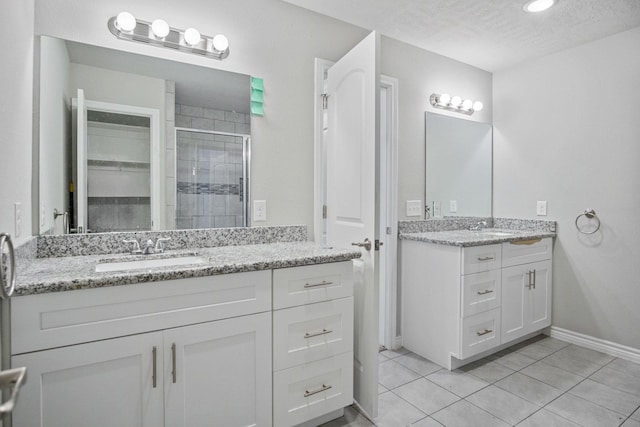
[312, 342]
[460, 303]
[188, 352]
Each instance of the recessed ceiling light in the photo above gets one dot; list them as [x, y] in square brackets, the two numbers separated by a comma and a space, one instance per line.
[538, 5]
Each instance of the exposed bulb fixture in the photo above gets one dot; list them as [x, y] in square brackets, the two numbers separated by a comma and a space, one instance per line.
[126, 21]
[160, 28]
[220, 43]
[534, 6]
[192, 36]
[159, 33]
[455, 103]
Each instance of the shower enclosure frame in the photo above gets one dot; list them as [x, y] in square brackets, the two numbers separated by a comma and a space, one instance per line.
[246, 165]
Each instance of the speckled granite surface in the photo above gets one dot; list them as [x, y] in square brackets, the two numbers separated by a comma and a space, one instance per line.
[455, 231]
[55, 274]
[111, 243]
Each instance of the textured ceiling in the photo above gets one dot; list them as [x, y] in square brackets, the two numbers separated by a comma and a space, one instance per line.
[489, 34]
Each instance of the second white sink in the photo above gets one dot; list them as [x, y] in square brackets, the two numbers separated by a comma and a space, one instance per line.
[149, 263]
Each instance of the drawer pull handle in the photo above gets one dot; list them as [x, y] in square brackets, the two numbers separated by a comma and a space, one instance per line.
[486, 258]
[485, 332]
[154, 368]
[486, 291]
[313, 285]
[526, 242]
[308, 393]
[317, 334]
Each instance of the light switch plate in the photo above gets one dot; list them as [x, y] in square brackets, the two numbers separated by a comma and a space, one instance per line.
[17, 210]
[414, 207]
[259, 210]
[453, 206]
[541, 208]
[437, 210]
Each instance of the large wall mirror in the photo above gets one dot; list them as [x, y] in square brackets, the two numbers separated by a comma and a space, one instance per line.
[129, 142]
[458, 166]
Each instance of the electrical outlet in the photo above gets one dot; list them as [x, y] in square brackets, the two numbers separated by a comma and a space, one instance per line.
[259, 210]
[453, 206]
[414, 207]
[437, 209]
[17, 210]
[541, 208]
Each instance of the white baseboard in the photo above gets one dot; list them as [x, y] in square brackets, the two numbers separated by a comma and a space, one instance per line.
[608, 347]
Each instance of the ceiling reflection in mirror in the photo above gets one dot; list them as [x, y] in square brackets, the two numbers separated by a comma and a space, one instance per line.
[458, 166]
[129, 142]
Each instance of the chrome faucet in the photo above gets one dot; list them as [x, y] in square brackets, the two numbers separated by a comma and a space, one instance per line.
[478, 226]
[159, 247]
[136, 246]
[149, 246]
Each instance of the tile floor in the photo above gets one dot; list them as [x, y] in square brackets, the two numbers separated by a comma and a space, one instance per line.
[543, 382]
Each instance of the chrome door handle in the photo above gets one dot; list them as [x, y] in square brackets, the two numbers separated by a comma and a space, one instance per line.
[366, 244]
[313, 285]
[317, 334]
[485, 332]
[154, 376]
[486, 258]
[174, 374]
[485, 292]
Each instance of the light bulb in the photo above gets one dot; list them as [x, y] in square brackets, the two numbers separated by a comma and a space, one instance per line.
[538, 5]
[444, 98]
[220, 43]
[456, 101]
[126, 21]
[192, 36]
[160, 28]
[467, 104]
[477, 106]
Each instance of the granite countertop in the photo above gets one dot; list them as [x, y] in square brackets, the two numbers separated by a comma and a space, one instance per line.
[475, 238]
[45, 275]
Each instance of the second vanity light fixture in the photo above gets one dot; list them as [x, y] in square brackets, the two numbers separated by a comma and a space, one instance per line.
[455, 103]
[158, 33]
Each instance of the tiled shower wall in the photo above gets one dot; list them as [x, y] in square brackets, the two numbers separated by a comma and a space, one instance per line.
[209, 168]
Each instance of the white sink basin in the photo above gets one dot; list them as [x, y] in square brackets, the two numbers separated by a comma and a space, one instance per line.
[491, 233]
[149, 263]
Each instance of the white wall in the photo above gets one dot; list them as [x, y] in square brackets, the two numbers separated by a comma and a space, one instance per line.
[421, 73]
[567, 131]
[16, 45]
[269, 39]
[54, 134]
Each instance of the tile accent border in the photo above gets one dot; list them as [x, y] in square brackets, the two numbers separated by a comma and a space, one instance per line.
[593, 343]
[111, 243]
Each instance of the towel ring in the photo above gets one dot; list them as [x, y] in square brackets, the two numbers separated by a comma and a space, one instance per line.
[591, 214]
[7, 288]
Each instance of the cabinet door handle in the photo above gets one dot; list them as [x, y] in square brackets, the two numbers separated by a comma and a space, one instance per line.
[313, 285]
[174, 374]
[317, 334]
[308, 393]
[485, 258]
[534, 278]
[485, 332]
[154, 367]
[486, 291]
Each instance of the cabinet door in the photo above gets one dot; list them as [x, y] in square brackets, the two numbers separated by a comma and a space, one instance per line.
[105, 383]
[526, 299]
[219, 373]
[515, 288]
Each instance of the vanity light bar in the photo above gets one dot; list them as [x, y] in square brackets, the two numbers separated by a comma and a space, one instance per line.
[455, 103]
[158, 33]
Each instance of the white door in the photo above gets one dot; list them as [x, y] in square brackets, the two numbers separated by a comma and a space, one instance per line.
[219, 373]
[81, 163]
[101, 384]
[352, 197]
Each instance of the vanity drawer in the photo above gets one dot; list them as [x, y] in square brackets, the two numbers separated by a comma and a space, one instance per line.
[526, 251]
[312, 283]
[58, 319]
[479, 333]
[311, 390]
[481, 292]
[476, 259]
[312, 332]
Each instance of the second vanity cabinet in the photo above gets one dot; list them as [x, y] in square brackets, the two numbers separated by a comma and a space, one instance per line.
[460, 303]
[188, 352]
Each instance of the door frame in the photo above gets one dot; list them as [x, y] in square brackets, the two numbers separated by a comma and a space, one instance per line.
[389, 258]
